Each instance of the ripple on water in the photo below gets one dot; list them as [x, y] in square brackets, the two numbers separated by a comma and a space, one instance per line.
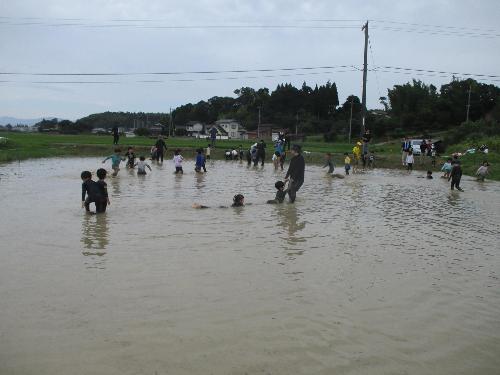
[380, 272]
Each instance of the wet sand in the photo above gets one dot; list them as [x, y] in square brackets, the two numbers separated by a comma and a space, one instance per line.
[377, 273]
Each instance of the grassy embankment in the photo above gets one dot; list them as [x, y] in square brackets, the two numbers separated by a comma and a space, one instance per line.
[35, 145]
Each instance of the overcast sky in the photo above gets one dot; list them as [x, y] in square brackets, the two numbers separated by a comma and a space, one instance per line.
[91, 36]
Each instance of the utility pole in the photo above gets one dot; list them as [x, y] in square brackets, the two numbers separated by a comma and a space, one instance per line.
[170, 122]
[350, 121]
[468, 105]
[365, 71]
[296, 124]
[258, 125]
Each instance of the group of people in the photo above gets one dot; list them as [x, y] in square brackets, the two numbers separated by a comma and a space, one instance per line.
[96, 191]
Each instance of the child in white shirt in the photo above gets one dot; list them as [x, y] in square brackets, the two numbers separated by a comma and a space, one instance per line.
[409, 161]
[178, 162]
[142, 165]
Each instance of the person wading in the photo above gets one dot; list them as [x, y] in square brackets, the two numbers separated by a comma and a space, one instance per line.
[160, 147]
[295, 173]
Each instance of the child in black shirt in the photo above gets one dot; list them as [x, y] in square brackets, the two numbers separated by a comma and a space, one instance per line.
[103, 189]
[91, 189]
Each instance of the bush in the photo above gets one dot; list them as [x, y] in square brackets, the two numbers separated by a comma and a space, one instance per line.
[331, 136]
[142, 132]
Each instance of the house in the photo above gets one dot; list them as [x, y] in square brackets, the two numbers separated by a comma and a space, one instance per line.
[233, 128]
[266, 131]
[221, 133]
[195, 129]
[156, 129]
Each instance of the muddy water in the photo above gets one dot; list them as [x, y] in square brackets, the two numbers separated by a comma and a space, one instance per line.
[380, 273]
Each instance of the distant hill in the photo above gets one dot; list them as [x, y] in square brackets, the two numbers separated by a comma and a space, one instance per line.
[4, 120]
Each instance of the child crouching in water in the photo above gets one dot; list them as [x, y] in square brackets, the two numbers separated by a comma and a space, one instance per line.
[482, 171]
[142, 165]
[280, 193]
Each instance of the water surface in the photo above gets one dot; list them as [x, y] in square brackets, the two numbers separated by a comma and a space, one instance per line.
[378, 273]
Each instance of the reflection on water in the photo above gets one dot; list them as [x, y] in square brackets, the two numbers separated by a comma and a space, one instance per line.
[378, 273]
[95, 232]
[288, 218]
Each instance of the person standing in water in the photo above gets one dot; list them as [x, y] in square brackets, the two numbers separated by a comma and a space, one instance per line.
[178, 162]
[456, 174]
[347, 163]
[160, 147]
[116, 135]
[103, 188]
[142, 165]
[295, 173]
[261, 152]
[329, 163]
[90, 189]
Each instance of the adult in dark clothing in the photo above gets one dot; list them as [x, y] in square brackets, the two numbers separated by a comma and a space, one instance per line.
[116, 135]
[91, 190]
[295, 172]
[261, 152]
[455, 175]
[405, 148]
[160, 146]
[213, 135]
[367, 137]
[248, 155]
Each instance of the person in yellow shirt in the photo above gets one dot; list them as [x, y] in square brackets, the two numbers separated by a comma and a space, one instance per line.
[356, 152]
[347, 163]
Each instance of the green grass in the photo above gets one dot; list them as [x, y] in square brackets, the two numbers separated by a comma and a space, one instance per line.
[36, 145]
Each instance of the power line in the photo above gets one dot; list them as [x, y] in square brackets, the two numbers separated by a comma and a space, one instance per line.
[183, 79]
[174, 27]
[439, 32]
[310, 70]
[417, 25]
[439, 71]
[179, 73]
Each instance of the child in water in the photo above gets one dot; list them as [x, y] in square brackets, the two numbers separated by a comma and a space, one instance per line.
[446, 168]
[103, 187]
[409, 161]
[200, 161]
[115, 161]
[280, 193]
[238, 201]
[347, 163]
[456, 175]
[276, 159]
[482, 171]
[91, 190]
[130, 155]
[142, 165]
[429, 175]
[178, 162]
[329, 162]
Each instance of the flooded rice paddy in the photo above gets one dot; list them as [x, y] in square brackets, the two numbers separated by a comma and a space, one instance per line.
[378, 273]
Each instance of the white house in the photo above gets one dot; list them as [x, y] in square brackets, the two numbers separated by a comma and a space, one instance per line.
[233, 128]
[195, 129]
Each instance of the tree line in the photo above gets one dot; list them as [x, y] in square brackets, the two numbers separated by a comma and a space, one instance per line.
[413, 107]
